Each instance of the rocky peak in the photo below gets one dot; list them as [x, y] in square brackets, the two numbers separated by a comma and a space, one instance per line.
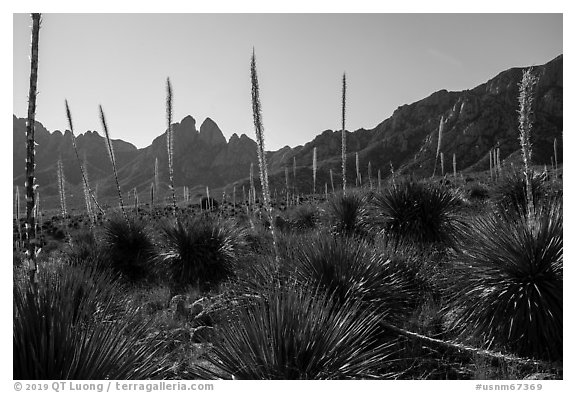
[188, 123]
[211, 134]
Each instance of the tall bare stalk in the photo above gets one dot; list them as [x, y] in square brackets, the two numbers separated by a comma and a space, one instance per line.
[314, 169]
[358, 176]
[113, 160]
[82, 167]
[87, 199]
[287, 186]
[259, 128]
[17, 214]
[170, 142]
[442, 162]
[61, 188]
[370, 174]
[498, 166]
[393, 175]
[30, 153]
[555, 159]
[439, 146]
[491, 165]
[332, 181]
[526, 122]
[454, 163]
[344, 133]
[252, 190]
[156, 175]
[151, 196]
[294, 175]
[38, 217]
[379, 181]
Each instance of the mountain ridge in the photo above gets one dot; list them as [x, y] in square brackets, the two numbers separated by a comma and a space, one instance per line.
[477, 120]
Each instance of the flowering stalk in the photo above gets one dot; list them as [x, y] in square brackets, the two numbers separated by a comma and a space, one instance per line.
[526, 122]
[17, 213]
[440, 129]
[31, 153]
[344, 133]
[287, 185]
[82, 167]
[259, 128]
[332, 180]
[442, 162]
[252, 190]
[170, 141]
[61, 191]
[314, 169]
[370, 174]
[113, 160]
[358, 178]
[555, 159]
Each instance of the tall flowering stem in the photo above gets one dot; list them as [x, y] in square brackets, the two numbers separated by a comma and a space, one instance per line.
[358, 175]
[252, 190]
[259, 128]
[344, 133]
[370, 174]
[438, 147]
[526, 122]
[332, 180]
[170, 142]
[61, 190]
[113, 160]
[30, 153]
[86, 184]
[314, 169]
[17, 213]
[287, 186]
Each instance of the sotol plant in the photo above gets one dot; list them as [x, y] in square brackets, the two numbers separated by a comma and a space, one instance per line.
[201, 251]
[70, 328]
[508, 291]
[293, 333]
[419, 213]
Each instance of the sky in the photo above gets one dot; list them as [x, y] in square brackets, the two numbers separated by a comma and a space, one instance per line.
[121, 61]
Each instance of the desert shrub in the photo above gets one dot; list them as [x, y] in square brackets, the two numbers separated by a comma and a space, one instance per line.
[208, 203]
[478, 191]
[85, 249]
[303, 217]
[129, 247]
[510, 192]
[72, 329]
[508, 292]
[293, 333]
[418, 213]
[347, 213]
[351, 269]
[201, 251]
